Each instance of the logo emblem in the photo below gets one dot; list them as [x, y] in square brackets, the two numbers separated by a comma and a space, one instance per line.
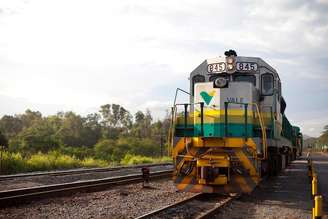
[207, 97]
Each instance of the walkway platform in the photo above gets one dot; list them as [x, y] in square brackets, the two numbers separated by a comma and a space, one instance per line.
[287, 195]
[320, 164]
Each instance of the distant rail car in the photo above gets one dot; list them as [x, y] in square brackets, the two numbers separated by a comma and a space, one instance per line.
[233, 131]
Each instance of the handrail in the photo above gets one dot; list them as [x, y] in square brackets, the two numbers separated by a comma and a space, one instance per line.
[171, 131]
[263, 129]
[261, 121]
[271, 119]
[176, 94]
[226, 117]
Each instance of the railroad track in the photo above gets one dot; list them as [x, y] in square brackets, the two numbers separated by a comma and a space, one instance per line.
[78, 171]
[18, 196]
[199, 206]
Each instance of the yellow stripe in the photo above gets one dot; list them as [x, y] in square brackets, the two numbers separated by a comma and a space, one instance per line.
[246, 162]
[178, 147]
[184, 183]
[234, 116]
[243, 184]
[223, 142]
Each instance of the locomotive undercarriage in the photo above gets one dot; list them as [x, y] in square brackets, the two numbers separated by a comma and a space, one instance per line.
[233, 167]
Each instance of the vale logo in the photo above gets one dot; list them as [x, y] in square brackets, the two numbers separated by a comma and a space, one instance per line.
[207, 97]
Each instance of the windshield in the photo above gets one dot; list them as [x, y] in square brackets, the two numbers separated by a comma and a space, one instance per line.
[245, 78]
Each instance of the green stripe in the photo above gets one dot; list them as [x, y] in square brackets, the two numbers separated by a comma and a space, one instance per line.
[219, 130]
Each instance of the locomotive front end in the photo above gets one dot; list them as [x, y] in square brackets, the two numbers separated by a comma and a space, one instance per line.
[214, 143]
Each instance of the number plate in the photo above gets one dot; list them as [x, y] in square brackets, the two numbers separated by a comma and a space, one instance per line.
[246, 66]
[216, 67]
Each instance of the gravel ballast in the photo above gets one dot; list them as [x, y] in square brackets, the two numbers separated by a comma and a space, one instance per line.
[127, 201]
[31, 181]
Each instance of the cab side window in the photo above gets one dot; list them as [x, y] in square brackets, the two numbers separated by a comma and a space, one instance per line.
[267, 84]
[197, 79]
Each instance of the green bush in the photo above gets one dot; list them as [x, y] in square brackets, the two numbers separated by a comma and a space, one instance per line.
[130, 159]
[66, 162]
[164, 159]
[78, 152]
[39, 161]
[104, 149]
[12, 163]
[15, 163]
[91, 162]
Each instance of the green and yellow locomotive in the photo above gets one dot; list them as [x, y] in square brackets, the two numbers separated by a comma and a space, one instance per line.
[233, 131]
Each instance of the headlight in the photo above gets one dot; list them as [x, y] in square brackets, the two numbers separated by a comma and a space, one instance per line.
[220, 82]
[230, 66]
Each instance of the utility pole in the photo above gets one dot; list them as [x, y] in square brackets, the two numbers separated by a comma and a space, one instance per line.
[1, 148]
[161, 144]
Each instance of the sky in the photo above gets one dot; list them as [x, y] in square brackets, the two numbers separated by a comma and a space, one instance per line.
[80, 54]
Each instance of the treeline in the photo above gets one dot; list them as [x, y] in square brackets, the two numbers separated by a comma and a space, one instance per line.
[109, 134]
[323, 138]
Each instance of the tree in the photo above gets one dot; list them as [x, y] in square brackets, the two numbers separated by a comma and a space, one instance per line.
[142, 126]
[3, 141]
[147, 126]
[323, 139]
[110, 134]
[91, 129]
[71, 131]
[325, 130]
[10, 126]
[115, 120]
[139, 117]
[39, 137]
[30, 117]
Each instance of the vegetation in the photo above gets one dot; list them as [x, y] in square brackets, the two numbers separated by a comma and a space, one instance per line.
[318, 144]
[322, 141]
[111, 136]
[14, 162]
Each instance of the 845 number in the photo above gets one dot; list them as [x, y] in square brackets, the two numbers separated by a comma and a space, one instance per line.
[246, 66]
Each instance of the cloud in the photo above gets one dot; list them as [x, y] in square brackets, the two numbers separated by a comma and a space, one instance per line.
[81, 54]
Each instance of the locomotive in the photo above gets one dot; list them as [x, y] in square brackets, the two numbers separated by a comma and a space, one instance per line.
[233, 131]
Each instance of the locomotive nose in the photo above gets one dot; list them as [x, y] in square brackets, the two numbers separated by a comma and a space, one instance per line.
[225, 104]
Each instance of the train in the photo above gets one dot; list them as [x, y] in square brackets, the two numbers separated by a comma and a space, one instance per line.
[232, 131]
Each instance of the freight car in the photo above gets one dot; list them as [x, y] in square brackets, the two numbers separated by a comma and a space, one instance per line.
[233, 131]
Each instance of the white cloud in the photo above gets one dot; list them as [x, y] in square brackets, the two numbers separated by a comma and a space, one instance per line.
[81, 53]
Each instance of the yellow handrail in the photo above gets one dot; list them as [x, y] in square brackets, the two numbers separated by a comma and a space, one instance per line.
[171, 131]
[263, 129]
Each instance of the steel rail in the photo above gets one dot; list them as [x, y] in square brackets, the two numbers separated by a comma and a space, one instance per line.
[211, 212]
[78, 171]
[17, 196]
[202, 215]
[157, 211]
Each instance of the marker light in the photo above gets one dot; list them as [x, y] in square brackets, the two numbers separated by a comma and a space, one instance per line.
[230, 60]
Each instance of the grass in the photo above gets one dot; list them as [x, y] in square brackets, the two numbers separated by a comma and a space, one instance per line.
[16, 163]
[130, 159]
